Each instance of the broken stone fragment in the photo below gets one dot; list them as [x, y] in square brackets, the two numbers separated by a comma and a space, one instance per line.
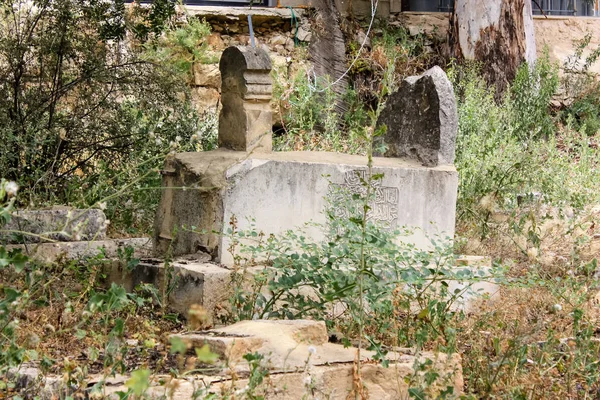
[421, 120]
[61, 224]
[298, 355]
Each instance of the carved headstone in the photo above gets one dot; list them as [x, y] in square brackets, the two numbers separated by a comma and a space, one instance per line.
[421, 120]
[245, 122]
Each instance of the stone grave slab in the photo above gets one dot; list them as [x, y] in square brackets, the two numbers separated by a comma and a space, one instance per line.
[276, 192]
[61, 224]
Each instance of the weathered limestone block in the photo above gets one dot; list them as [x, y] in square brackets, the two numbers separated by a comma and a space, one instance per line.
[422, 120]
[282, 191]
[57, 224]
[195, 282]
[246, 121]
[207, 75]
[205, 99]
[299, 368]
[298, 350]
[53, 252]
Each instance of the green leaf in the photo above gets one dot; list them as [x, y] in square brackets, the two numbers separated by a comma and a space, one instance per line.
[417, 393]
[357, 221]
[139, 381]
[205, 355]
[119, 328]
[178, 345]
[18, 260]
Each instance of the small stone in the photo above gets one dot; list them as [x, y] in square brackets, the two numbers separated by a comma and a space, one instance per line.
[280, 49]
[207, 75]
[215, 41]
[289, 44]
[279, 61]
[278, 40]
[361, 38]
[415, 30]
[244, 40]
[205, 99]
[234, 28]
[304, 35]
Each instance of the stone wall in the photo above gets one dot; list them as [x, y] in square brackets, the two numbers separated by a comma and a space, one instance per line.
[275, 31]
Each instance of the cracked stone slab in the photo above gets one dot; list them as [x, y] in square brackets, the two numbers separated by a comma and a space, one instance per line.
[62, 224]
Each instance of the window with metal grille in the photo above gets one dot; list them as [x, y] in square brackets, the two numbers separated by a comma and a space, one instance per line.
[548, 7]
[225, 3]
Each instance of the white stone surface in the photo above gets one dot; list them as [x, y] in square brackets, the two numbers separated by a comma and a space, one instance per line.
[283, 191]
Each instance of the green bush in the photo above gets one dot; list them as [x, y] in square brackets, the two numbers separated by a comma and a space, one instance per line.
[309, 118]
[84, 111]
[361, 278]
[584, 112]
[529, 97]
[512, 151]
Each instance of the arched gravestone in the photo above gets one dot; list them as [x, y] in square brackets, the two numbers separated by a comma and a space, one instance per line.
[245, 121]
[421, 120]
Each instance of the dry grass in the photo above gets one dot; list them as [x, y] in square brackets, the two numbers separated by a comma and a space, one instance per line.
[541, 340]
[58, 326]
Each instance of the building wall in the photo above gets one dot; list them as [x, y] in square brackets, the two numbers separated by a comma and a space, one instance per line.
[550, 7]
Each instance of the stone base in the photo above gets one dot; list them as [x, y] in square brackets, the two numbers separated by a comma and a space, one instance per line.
[302, 363]
[326, 372]
[195, 283]
[53, 252]
[281, 191]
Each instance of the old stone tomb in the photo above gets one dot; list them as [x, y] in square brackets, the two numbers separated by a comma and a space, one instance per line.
[280, 191]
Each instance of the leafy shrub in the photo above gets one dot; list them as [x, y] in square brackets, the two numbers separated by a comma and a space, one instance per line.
[584, 112]
[529, 99]
[510, 152]
[78, 106]
[309, 119]
[359, 276]
[182, 46]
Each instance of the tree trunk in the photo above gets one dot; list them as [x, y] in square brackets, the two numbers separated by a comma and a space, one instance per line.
[327, 49]
[499, 34]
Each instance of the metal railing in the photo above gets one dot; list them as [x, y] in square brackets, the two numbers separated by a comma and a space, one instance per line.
[225, 3]
[563, 7]
[548, 7]
[445, 5]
